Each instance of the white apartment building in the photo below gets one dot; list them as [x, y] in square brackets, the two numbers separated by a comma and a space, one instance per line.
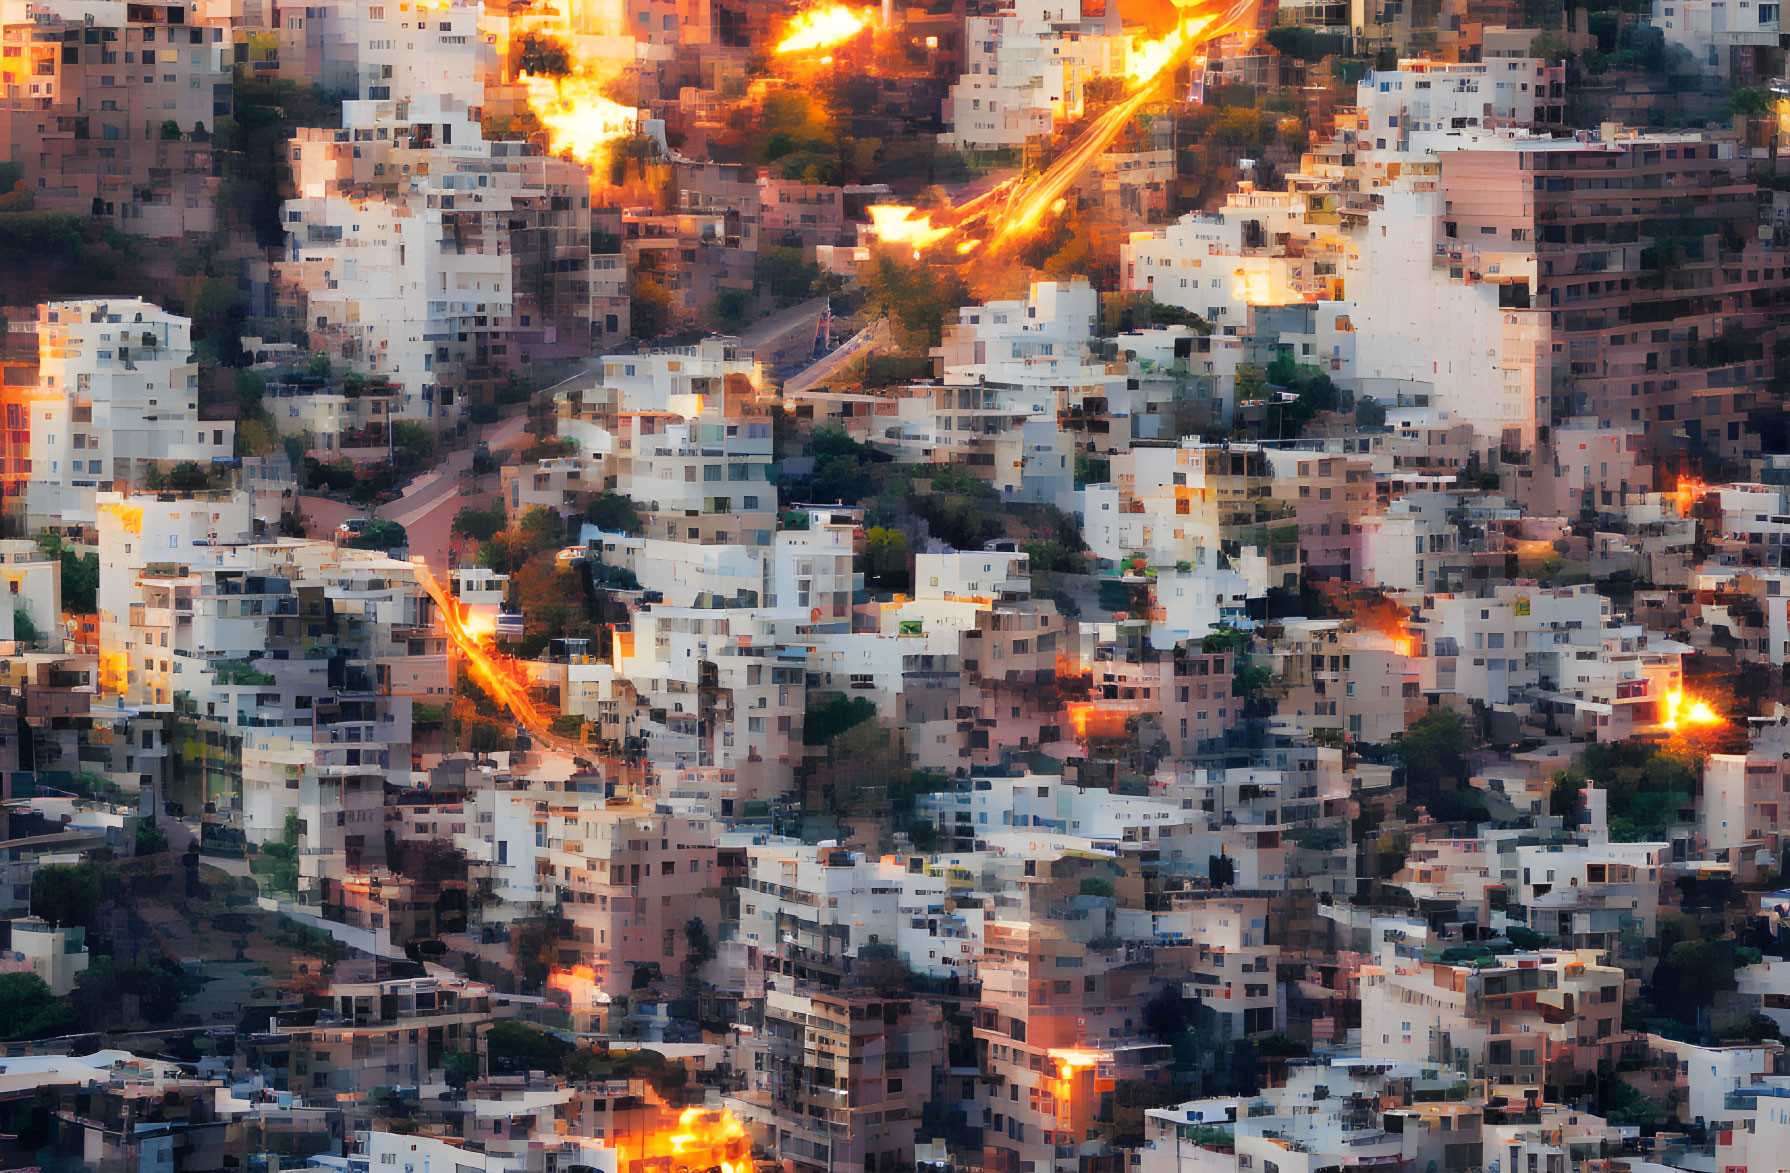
[652, 380]
[1025, 70]
[393, 51]
[116, 388]
[1737, 39]
[1422, 101]
[832, 902]
[399, 245]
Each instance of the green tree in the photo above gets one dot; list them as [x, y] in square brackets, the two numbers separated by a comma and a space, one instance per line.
[699, 948]
[885, 558]
[459, 1068]
[538, 530]
[613, 513]
[516, 1048]
[170, 130]
[1750, 103]
[479, 524]
[413, 445]
[728, 310]
[29, 1011]
[650, 307]
[379, 534]
[1052, 555]
[1297, 41]
[788, 276]
[282, 854]
[1433, 751]
[1369, 413]
[72, 894]
[23, 629]
[1689, 975]
[823, 722]
[80, 582]
[151, 840]
[102, 988]
[1622, 1103]
[1549, 46]
[914, 296]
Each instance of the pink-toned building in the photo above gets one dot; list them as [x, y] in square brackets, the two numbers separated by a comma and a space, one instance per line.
[628, 880]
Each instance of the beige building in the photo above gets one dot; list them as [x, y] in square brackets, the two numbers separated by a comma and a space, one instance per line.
[110, 107]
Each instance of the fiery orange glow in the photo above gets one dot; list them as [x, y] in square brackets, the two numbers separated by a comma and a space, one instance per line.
[1687, 494]
[1015, 209]
[1091, 720]
[823, 28]
[579, 120]
[495, 673]
[479, 627]
[1679, 714]
[898, 224]
[1150, 58]
[1070, 1058]
[701, 1139]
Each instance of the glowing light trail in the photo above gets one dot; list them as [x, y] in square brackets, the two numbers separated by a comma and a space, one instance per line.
[1014, 209]
[491, 670]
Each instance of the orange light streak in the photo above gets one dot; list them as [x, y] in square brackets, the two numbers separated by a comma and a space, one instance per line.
[1014, 209]
[493, 672]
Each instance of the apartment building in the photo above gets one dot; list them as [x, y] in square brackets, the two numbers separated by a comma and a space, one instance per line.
[385, 52]
[1740, 45]
[628, 879]
[448, 319]
[117, 389]
[1055, 1024]
[1682, 377]
[379, 1029]
[812, 911]
[1025, 70]
[845, 1076]
[1210, 506]
[1422, 101]
[350, 420]
[1537, 1019]
[110, 109]
[564, 484]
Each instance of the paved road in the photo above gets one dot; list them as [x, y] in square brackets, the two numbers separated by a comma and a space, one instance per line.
[770, 328]
[831, 362]
[427, 508]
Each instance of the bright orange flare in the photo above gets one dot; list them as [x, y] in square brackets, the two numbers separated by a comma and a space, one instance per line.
[695, 1138]
[1687, 494]
[899, 224]
[479, 627]
[823, 28]
[1013, 210]
[1679, 714]
[1150, 58]
[1070, 1058]
[579, 120]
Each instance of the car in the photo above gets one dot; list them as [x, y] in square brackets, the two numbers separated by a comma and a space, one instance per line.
[354, 525]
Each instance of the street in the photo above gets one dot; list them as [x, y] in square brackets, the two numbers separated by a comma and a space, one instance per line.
[427, 508]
